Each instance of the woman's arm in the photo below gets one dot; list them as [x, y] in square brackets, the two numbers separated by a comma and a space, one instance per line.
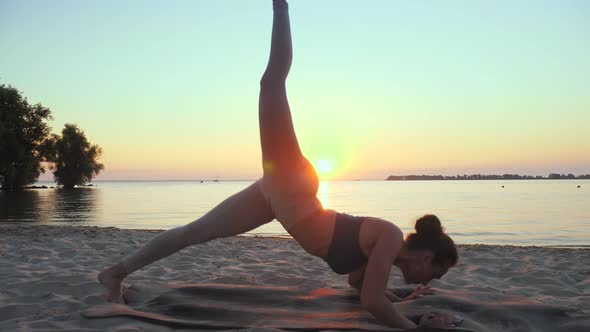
[355, 279]
[392, 297]
[373, 297]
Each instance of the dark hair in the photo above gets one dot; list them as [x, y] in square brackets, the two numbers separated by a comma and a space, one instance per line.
[430, 235]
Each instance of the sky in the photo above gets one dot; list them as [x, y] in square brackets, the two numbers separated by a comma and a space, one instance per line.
[169, 89]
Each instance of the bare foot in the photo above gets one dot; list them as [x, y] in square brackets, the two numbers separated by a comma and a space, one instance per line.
[112, 279]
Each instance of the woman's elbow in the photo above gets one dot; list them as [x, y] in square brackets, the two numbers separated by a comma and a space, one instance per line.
[351, 284]
[354, 284]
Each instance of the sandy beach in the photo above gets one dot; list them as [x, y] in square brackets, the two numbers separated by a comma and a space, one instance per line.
[48, 280]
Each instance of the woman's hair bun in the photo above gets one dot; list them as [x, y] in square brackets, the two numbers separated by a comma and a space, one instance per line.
[429, 225]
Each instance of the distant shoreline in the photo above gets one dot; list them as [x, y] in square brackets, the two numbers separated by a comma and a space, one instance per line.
[48, 183]
[552, 176]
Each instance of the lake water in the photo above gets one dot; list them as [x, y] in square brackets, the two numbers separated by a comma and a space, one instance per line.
[540, 212]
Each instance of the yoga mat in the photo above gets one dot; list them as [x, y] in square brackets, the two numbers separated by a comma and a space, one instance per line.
[226, 306]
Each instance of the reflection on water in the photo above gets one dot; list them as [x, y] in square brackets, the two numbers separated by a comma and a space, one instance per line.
[57, 205]
[75, 205]
[323, 194]
[544, 212]
[22, 206]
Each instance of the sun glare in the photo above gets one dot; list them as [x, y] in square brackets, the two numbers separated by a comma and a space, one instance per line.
[324, 167]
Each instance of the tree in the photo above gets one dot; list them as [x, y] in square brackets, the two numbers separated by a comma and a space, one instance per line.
[74, 159]
[23, 133]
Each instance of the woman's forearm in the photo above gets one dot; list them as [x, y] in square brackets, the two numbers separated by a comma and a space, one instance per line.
[386, 313]
[392, 297]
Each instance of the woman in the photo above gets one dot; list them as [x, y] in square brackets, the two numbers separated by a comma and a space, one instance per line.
[363, 247]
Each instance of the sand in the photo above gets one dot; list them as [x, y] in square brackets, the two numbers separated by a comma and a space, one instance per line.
[48, 279]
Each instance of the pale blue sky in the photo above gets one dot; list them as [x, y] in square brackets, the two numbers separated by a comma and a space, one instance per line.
[169, 89]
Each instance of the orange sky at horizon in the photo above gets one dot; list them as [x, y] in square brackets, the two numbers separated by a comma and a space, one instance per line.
[437, 88]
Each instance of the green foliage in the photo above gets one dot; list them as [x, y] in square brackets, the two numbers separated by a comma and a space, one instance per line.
[74, 159]
[22, 139]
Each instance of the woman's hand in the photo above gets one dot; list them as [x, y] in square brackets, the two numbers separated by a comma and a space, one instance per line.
[420, 291]
[440, 320]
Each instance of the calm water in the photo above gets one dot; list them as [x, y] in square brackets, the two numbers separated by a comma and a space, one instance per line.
[540, 212]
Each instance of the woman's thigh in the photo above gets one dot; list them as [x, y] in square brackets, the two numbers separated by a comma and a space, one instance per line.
[240, 213]
[291, 192]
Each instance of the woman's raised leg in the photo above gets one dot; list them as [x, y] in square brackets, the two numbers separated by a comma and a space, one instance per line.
[237, 214]
[280, 148]
[290, 182]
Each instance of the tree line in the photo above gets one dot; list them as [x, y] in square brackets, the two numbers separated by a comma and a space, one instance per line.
[27, 146]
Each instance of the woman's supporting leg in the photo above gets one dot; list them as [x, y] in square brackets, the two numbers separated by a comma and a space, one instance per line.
[280, 148]
[237, 214]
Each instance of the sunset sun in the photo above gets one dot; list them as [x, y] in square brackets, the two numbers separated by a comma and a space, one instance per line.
[324, 167]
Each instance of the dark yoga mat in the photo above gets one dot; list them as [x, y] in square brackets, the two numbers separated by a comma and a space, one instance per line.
[222, 306]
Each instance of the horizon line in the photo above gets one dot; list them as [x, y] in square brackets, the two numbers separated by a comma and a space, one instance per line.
[247, 180]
